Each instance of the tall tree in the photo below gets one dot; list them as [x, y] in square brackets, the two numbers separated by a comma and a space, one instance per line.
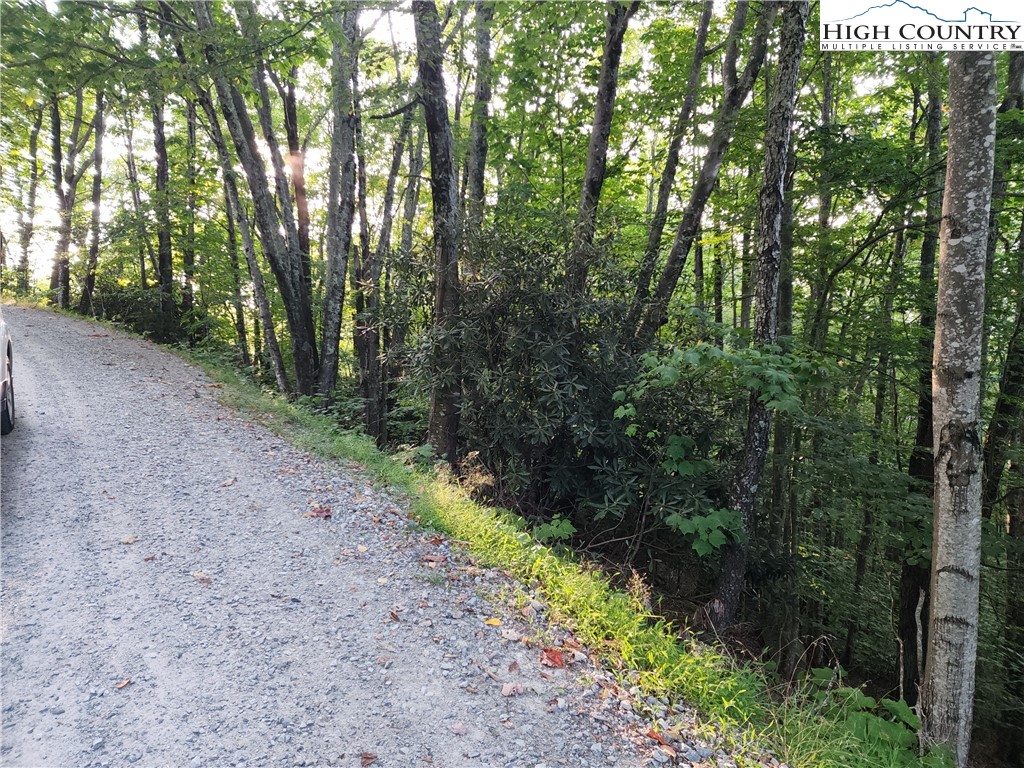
[778, 130]
[89, 283]
[341, 190]
[446, 357]
[282, 253]
[656, 230]
[478, 122]
[912, 617]
[948, 691]
[655, 309]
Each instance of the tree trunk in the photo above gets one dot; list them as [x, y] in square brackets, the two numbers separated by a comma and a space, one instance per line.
[947, 694]
[162, 209]
[769, 243]
[341, 192]
[235, 212]
[446, 353]
[655, 310]
[582, 255]
[27, 213]
[89, 283]
[143, 242]
[913, 594]
[188, 247]
[236, 287]
[668, 175]
[478, 125]
[283, 254]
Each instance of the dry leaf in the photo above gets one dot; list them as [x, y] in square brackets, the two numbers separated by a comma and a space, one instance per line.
[653, 734]
[228, 482]
[123, 684]
[512, 689]
[552, 657]
[320, 512]
[493, 622]
[513, 667]
[367, 758]
[202, 578]
[394, 616]
[427, 759]
[129, 539]
[361, 548]
[435, 540]
[470, 689]
[528, 611]
[149, 558]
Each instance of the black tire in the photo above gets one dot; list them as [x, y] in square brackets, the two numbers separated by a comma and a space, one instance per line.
[7, 409]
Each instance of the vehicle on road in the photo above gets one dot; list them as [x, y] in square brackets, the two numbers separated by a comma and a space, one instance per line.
[7, 382]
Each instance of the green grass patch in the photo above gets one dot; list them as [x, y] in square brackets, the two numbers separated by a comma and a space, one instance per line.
[824, 727]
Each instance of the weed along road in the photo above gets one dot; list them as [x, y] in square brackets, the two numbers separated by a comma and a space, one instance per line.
[183, 588]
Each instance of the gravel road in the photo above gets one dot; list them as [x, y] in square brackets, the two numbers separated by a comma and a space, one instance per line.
[167, 600]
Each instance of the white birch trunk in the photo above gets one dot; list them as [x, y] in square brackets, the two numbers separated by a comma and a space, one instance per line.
[947, 696]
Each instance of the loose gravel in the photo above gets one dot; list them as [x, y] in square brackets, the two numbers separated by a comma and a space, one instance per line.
[173, 594]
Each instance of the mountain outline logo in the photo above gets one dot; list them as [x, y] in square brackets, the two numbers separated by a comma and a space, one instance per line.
[911, 6]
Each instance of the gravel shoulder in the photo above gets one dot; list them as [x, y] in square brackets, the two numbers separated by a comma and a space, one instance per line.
[168, 599]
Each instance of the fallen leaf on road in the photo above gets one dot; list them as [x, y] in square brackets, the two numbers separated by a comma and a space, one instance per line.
[382, 580]
[367, 758]
[512, 689]
[427, 759]
[321, 512]
[552, 657]
[394, 616]
[99, 335]
[149, 558]
[653, 734]
[202, 578]
[493, 622]
[129, 539]
[435, 540]
[669, 751]
[123, 684]
[228, 482]
[459, 729]
[528, 611]
[361, 548]
[513, 667]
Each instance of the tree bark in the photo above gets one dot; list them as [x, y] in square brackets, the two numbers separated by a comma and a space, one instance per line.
[188, 247]
[341, 192]
[947, 694]
[582, 255]
[27, 212]
[236, 286]
[478, 125]
[442, 430]
[89, 283]
[655, 310]
[778, 130]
